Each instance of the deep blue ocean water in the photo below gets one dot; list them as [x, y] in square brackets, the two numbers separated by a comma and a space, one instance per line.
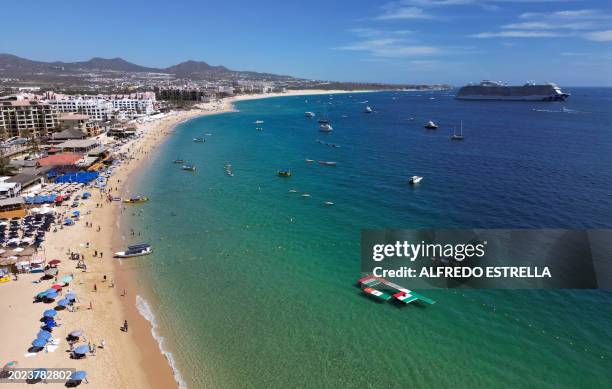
[259, 282]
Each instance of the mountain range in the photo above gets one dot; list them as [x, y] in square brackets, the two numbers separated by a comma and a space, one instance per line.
[12, 65]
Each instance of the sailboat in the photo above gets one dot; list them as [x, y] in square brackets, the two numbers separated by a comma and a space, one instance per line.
[324, 119]
[460, 135]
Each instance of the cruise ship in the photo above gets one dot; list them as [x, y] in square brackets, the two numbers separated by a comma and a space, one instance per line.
[491, 90]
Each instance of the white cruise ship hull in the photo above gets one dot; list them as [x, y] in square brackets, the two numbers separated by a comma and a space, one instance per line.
[514, 98]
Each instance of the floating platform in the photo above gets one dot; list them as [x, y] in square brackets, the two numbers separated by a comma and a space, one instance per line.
[384, 290]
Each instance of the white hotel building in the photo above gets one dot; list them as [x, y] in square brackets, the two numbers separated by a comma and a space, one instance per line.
[96, 109]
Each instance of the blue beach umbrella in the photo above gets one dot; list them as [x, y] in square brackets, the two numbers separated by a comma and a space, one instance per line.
[44, 335]
[76, 333]
[81, 349]
[51, 295]
[63, 302]
[41, 294]
[76, 213]
[50, 313]
[71, 296]
[66, 279]
[50, 290]
[39, 342]
[79, 375]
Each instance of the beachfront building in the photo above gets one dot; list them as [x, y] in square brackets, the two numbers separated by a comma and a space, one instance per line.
[80, 122]
[96, 109]
[27, 118]
[8, 189]
[78, 145]
[133, 107]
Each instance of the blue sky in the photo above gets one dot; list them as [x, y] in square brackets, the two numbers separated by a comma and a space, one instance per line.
[420, 41]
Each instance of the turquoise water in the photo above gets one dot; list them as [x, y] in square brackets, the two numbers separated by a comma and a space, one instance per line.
[253, 286]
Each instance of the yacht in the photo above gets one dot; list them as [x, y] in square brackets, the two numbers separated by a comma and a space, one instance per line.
[135, 251]
[199, 140]
[431, 125]
[326, 127]
[309, 114]
[189, 168]
[415, 180]
[458, 136]
[368, 109]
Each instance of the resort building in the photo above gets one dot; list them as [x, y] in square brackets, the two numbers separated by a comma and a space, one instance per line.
[96, 109]
[27, 118]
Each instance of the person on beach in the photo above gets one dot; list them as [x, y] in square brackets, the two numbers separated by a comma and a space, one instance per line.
[102, 344]
[125, 326]
[95, 288]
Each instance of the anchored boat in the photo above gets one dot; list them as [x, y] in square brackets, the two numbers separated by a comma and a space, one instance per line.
[135, 251]
[189, 168]
[284, 173]
[415, 180]
[136, 200]
[431, 125]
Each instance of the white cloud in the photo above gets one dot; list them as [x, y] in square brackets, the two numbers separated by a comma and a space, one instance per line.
[519, 34]
[549, 26]
[599, 36]
[576, 14]
[396, 11]
[390, 48]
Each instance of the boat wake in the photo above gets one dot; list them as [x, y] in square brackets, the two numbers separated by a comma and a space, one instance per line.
[145, 310]
[562, 110]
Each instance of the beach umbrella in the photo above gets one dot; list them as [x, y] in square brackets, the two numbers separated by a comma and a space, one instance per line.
[63, 302]
[41, 294]
[45, 335]
[10, 365]
[50, 290]
[76, 333]
[71, 296]
[66, 279]
[39, 343]
[49, 325]
[51, 296]
[56, 287]
[50, 313]
[55, 262]
[83, 349]
[79, 375]
[51, 272]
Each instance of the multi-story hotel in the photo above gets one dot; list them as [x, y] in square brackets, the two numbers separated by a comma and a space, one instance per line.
[96, 109]
[27, 118]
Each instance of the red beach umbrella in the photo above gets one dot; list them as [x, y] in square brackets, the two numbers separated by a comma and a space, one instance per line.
[57, 287]
[55, 262]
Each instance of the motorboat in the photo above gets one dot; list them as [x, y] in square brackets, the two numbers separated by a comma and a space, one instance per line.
[329, 203]
[431, 125]
[259, 122]
[136, 200]
[326, 127]
[179, 161]
[284, 173]
[327, 163]
[135, 251]
[415, 180]
[199, 140]
[189, 168]
[367, 109]
[309, 114]
[309, 160]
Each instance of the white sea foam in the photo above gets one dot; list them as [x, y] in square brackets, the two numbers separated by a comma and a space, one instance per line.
[145, 310]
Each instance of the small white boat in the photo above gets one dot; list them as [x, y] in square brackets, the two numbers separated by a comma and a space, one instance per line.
[368, 109]
[327, 163]
[135, 251]
[326, 127]
[309, 114]
[259, 122]
[306, 195]
[415, 180]
[292, 191]
[431, 125]
[329, 203]
[309, 160]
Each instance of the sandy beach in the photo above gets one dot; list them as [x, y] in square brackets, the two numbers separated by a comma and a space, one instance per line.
[107, 291]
